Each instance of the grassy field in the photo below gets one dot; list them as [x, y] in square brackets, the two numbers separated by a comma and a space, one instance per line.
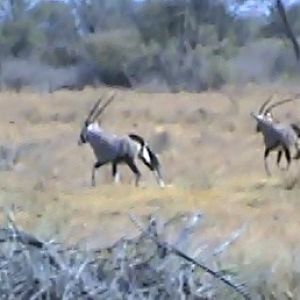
[212, 161]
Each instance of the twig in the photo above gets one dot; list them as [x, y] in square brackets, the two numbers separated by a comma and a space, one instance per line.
[232, 238]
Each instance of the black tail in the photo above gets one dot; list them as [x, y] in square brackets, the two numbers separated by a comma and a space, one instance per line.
[296, 129]
[148, 157]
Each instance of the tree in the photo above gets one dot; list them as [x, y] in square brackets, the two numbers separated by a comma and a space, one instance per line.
[19, 35]
[13, 10]
[279, 21]
[287, 27]
[99, 15]
[57, 24]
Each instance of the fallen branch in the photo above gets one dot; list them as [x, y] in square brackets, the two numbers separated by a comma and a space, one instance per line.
[174, 250]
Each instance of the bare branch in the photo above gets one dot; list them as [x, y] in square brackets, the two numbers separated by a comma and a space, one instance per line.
[24, 238]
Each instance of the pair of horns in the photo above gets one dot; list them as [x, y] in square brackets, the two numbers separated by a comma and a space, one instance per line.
[96, 111]
[264, 109]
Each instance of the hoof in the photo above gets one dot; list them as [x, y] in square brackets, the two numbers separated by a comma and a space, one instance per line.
[162, 184]
[283, 168]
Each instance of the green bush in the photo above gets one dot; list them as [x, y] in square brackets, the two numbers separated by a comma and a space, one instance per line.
[20, 38]
[217, 73]
[212, 69]
[111, 50]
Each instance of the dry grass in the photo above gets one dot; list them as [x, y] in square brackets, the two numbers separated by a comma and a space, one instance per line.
[221, 175]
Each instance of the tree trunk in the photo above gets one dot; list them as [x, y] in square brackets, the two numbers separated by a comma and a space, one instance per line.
[287, 28]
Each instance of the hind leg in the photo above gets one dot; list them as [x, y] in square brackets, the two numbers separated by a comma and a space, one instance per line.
[266, 154]
[156, 171]
[96, 166]
[149, 158]
[115, 172]
[297, 155]
[133, 167]
[279, 155]
[158, 176]
[288, 157]
[154, 166]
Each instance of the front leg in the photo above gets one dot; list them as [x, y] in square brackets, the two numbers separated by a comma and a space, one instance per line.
[115, 172]
[288, 157]
[279, 154]
[97, 165]
[266, 154]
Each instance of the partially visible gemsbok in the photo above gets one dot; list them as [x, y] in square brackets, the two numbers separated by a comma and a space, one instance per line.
[277, 135]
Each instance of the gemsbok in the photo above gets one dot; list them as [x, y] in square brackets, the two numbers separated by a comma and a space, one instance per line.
[115, 149]
[278, 136]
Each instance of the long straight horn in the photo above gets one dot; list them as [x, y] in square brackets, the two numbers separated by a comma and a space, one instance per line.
[94, 108]
[104, 106]
[278, 103]
[261, 109]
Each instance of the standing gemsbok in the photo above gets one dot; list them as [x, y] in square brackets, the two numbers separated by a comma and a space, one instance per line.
[114, 149]
[277, 135]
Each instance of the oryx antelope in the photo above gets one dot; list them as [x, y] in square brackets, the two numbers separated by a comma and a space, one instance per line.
[114, 149]
[277, 135]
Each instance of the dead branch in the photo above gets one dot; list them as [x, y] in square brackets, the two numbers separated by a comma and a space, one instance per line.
[170, 248]
[7, 235]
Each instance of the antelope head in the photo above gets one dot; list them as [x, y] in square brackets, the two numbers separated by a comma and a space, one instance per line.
[265, 111]
[95, 112]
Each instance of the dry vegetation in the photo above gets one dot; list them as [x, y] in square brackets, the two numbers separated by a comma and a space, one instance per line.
[46, 176]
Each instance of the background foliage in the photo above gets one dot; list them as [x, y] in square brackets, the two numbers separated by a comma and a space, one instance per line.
[152, 44]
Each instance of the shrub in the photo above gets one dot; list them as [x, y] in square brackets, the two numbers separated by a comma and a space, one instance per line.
[20, 73]
[111, 51]
[142, 267]
[262, 61]
[213, 72]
